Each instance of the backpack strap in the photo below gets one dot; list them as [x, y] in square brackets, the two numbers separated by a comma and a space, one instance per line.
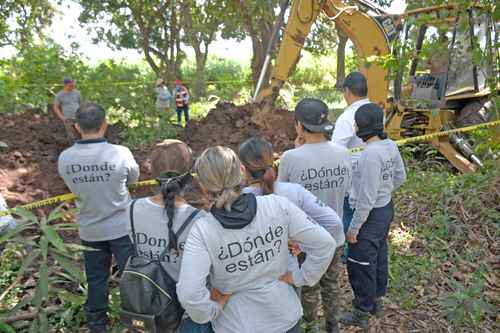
[181, 230]
[186, 222]
[132, 204]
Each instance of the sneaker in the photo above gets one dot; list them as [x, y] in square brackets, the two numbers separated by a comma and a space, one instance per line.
[355, 318]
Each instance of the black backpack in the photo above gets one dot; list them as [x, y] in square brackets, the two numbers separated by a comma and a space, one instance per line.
[148, 295]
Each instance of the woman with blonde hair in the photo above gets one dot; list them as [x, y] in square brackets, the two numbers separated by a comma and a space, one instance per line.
[241, 246]
[161, 222]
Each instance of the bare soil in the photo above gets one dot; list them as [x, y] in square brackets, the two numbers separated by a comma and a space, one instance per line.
[28, 168]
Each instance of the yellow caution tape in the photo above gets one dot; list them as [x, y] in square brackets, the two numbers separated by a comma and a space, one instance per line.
[152, 182]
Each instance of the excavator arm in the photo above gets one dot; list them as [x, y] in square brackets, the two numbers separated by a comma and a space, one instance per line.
[367, 34]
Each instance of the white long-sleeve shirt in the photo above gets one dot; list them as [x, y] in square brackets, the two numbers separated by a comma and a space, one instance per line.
[344, 133]
[247, 263]
[311, 205]
[380, 171]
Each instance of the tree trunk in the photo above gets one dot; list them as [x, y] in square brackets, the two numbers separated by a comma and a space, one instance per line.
[201, 61]
[260, 38]
[341, 59]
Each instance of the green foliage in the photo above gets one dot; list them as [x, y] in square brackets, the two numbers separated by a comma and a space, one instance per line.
[46, 253]
[225, 78]
[467, 305]
[314, 77]
[22, 20]
[438, 257]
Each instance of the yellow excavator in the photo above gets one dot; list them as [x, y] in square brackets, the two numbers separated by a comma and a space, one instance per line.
[371, 32]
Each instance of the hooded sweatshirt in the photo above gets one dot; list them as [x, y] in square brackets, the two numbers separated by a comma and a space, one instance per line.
[247, 263]
[98, 173]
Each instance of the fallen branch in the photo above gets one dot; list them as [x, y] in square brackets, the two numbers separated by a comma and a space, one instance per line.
[29, 315]
[9, 288]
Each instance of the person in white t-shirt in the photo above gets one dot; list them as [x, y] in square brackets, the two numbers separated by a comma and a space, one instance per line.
[344, 134]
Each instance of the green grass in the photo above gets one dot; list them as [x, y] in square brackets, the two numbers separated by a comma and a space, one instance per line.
[441, 245]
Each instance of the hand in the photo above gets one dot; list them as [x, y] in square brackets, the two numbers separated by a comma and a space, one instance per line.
[299, 141]
[352, 236]
[294, 248]
[217, 296]
[287, 278]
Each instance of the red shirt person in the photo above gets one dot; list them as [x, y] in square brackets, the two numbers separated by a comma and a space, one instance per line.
[181, 96]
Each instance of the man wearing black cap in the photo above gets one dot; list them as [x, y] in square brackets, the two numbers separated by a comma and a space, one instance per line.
[380, 171]
[66, 104]
[324, 168]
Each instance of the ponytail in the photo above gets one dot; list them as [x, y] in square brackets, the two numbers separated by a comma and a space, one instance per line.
[171, 185]
[226, 198]
[256, 154]
[265, 178]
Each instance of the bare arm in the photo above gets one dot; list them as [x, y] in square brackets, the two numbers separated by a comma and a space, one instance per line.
[57, 111]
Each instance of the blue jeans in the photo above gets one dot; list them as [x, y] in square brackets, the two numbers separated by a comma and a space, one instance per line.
[346, 221]
[189, 326]
[97, 269]
[180, 110]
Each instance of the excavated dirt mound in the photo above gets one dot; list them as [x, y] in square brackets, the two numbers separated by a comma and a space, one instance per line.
[28, 167]
[230, 125]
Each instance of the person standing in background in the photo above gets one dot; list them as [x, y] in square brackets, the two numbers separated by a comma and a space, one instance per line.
[98, 173]
[163, 103]
[181, 95]
[163, 97]
[344, 134]
[66, 103]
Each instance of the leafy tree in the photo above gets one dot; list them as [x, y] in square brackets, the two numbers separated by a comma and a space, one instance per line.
[253, 18]
[200, 22]
[21, 20]
[153, 27]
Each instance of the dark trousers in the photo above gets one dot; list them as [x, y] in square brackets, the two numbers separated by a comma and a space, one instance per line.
[367, 263]
[183, 109]
[346, 221]
[97, 269]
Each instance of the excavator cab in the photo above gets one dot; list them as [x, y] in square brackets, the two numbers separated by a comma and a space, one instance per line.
[445, 86]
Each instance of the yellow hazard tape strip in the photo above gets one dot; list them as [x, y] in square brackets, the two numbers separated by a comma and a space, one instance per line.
[145, 183]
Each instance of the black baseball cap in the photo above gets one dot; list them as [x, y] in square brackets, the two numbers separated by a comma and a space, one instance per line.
[313, 114]
[369, 119]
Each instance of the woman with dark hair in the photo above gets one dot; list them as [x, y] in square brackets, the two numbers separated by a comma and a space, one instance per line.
[241, 246]
[256, 155]
[158, 219]
[380, 171]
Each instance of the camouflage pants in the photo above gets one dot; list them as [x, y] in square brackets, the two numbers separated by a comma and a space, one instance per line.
[329, 289]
